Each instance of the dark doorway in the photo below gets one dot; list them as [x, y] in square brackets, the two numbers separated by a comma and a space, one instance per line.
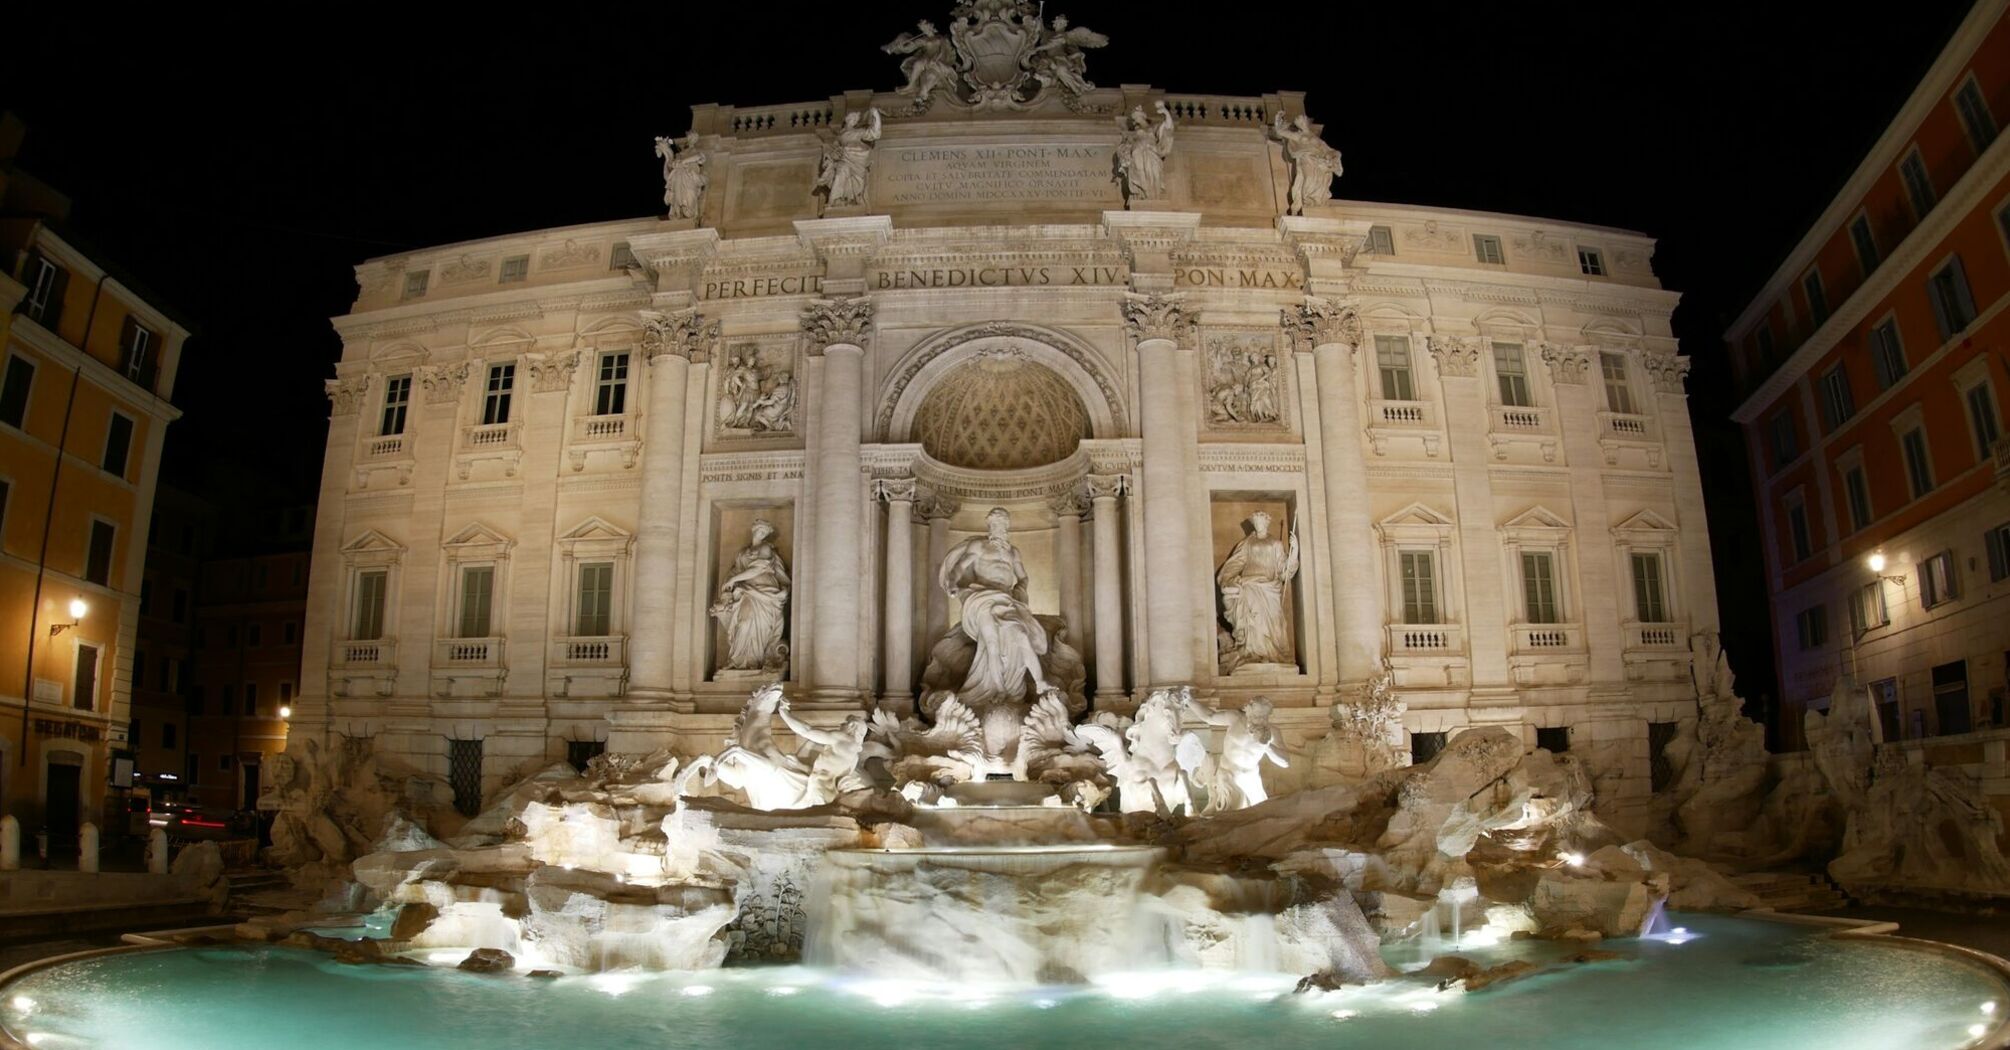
[66, 802]
[250, 785]
[1950, 697]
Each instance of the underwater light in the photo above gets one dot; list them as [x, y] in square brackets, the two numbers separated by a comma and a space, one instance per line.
[783, 989]
[1987, 1008]
[697, 990]
[25, 1004]
[1976, 1030]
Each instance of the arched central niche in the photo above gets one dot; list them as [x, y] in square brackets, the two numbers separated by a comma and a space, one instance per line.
[1000, 411]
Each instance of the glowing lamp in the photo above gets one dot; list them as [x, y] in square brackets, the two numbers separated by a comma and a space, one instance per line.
[285, 711]
[1875, 561]
[78, 607]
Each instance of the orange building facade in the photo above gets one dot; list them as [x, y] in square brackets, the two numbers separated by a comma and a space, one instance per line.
[84, 382]
[1875, 373]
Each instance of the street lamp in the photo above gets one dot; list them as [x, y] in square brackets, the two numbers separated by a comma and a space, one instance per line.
[285, 711]
[78, 607]
[1876, 564]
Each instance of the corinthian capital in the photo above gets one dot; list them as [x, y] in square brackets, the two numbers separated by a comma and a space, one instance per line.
[1455, 355]
[930, 504]
[443, 383]
[345, 396]
[684, 333]
[1565, 364]
[1156, 316]
[1666, 370]
[894, 490]
[551, 373]
[1105, 486]
[1318, 322]
[838, 322]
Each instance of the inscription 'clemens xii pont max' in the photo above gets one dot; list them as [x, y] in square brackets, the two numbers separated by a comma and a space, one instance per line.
[979, 174]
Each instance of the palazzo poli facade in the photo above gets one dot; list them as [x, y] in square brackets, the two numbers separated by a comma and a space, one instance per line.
[1132, 319]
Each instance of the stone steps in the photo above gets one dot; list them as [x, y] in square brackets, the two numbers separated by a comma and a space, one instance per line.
[1793, 891]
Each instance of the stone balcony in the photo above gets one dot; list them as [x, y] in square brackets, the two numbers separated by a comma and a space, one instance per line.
[389, 453]
[1404, 420]
[364, 667]
[617, 437]
[1656, 651]
[1509, 425]
[1541, 654]
[1621, 432]
[482, 443]
[585, 666]
[1428, 655]
[469, 666]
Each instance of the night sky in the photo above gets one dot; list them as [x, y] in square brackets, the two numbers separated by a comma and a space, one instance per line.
[240, 166]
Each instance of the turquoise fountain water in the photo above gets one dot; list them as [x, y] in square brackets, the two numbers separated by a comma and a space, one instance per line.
[1721, 983]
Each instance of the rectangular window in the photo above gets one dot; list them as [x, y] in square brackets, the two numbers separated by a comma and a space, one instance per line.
[1392, 355]
[1380, 241]
[1858, 492]
[136, 346]
[1660, 771]
[1553, 739]
[251, 699]
[1918, 188]
[1838, 404]
[1918, 467]
[495, 404]
[1866, 244]
[254, 636]
[6, 490]
[1866, 607]
[1618, 393]
[1797, 531]
[1812, 624]
[98, 559]
[14, 391]
[368, 622]
[1953, 307]
[515, 268]
[1767, 350]
[1818, 299]
[477, 592]
[170, 673]
[1488, 248]
[1590, 262]
[1997, 540]
[610, 389]
[580, 752]
[1420, 586]
[45, 281]
[464, 772]
[285, 692]
[1887, 355]
[1538, 587]
[118, 444]
[415, 283]
[1982, 419]
[167, 735]
[290, 632]
[179, 610]
[84, 686]
[1425, 746]
[593, 618]
[397, 402]
[223, 762]
[1937, 582]
[1511, 368]
[1975, 117]
[1649, 602]
[1884, 694]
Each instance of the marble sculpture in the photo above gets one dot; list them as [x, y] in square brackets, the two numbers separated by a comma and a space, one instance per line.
[753, 602]
[1253, 581]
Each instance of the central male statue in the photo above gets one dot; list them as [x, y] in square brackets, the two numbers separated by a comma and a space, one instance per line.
[984, 574]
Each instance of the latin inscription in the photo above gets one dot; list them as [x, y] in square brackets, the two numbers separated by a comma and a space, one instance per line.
[1235, 277]
[980, 174]
[751, 287]
[996, 277]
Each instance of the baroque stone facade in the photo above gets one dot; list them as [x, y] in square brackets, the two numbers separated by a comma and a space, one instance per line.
[1474, 456]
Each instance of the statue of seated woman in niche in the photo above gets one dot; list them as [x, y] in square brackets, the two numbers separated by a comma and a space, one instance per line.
[1253, 580]
[751, 605]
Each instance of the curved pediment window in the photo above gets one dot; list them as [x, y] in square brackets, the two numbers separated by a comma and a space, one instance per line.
[1001, 412]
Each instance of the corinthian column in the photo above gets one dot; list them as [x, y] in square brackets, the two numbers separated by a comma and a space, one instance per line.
[1103, 490]
[1068, 509]
[671, 341]
[837, 329]
[1333, 333]
[936, 508]
[1171, 441]
[897, 612]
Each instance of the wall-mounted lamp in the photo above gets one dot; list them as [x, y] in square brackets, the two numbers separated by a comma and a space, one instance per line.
[1876, 564]
[285, 711]
[78, 607]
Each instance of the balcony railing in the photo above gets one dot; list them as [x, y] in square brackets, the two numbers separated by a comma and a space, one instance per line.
[468, 652]
[1418, 414]
[1654, 636]
[489, 436]
[384, 447]
[590, 651]
[1546, 637]
[1217, 109]
[1438, 639]
[371, 652]
[601, 428]
[1626, 427]
[1520, 418]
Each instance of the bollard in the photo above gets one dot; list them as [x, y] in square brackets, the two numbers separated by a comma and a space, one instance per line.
[87, 847]
[10, 844]
[157, 852]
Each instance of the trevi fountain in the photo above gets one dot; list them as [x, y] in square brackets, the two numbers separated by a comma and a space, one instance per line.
[1060, 577]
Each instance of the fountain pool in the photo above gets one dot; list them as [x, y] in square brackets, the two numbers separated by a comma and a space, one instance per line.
[1728, 983]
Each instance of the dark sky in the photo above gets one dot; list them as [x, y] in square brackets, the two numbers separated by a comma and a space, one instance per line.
[240, 167]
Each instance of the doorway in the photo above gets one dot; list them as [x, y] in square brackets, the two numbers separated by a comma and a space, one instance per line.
[65, 806]
[250, 784]
[1950, 697]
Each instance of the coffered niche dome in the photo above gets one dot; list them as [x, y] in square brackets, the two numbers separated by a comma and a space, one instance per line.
[1001, 412]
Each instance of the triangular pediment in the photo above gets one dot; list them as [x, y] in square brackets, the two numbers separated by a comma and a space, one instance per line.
[1537, 517]
[1416, 514]
[478, 535]
[595, 528]
[1645, 521]
[370, 541]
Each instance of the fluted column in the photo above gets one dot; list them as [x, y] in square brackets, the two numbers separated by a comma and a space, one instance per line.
[1334, 332]
[837, 329]
[1103, 490]
[936, 508]
[897, 615]
[1698, 594]
[1159, 322]
[1068, 510]
[671, 341]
